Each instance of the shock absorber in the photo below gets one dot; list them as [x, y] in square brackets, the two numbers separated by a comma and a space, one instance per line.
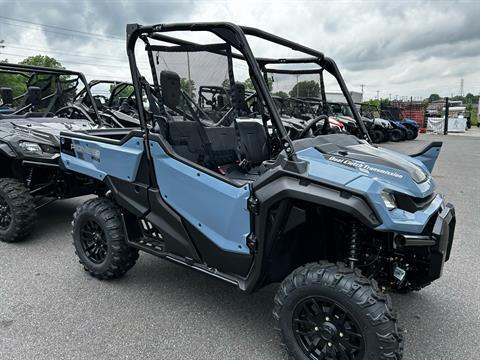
[354, 244]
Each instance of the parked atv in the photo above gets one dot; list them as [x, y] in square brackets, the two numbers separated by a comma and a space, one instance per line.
[336, 220]
[411, 125]
[30, 175]
[379, 129]
[395, 114]
[407, 127]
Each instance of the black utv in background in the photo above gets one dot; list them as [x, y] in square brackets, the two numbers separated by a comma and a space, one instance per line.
[30, 174]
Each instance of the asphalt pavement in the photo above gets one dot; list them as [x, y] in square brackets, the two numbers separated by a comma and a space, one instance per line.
[51, 309]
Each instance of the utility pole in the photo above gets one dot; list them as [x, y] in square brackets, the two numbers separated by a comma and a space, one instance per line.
[378, 94]
[447, 110]
[190, 90]
[362, 86]
[390, 96]
[461, 87]
[297, 85]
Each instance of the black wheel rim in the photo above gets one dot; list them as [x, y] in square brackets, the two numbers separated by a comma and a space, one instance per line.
[5, 214]
[325, 330]
[94, 243]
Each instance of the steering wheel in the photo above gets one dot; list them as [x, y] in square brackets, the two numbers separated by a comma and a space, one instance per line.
[73, 112]
[312, 123]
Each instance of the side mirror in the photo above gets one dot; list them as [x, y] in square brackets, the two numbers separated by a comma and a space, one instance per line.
[171, 90]
[34, 96]
[6, 95]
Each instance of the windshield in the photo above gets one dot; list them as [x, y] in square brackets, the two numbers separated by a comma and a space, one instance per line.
[42, 91]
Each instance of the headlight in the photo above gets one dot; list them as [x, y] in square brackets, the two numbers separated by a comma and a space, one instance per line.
[30, 148]
[389, 200]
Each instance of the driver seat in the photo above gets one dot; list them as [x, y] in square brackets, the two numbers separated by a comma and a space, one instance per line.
[254, 142]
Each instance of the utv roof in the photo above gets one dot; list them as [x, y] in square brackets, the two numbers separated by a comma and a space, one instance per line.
[155, 31]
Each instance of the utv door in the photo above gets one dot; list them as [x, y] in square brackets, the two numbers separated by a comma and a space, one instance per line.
[213, 211]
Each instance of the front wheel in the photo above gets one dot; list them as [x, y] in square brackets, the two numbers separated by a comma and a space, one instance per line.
[328, 311]
[410, 134]
[99, 238]
[17, 211]
[415, 134]
[377, 136]
[396, 135]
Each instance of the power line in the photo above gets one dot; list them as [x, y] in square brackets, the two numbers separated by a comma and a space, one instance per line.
[75, 62]
[108, 36]
[66, 34]
[72, 54]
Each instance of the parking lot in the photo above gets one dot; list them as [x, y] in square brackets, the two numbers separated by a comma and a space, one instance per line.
[51, 309]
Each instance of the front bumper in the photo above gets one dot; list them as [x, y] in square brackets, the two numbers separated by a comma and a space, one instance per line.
[443, 232]
[430, 250]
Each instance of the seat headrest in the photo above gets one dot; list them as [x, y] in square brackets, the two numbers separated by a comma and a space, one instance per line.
[171, 89]
[238, 97]
[6, 95]
[33, 96]
[220, 101]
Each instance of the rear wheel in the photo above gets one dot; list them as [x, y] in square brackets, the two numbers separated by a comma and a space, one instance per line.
[396, 135]
[100, 240]
[328, 311]
[17, 211]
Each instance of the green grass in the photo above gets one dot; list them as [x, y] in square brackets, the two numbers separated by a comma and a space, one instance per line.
[473, 117]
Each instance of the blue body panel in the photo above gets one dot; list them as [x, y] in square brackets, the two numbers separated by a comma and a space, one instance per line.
[428, 158]
[398, 125]
[372, 183]
[217, 209]
[6, 109]
[98, 159]
[410, 122]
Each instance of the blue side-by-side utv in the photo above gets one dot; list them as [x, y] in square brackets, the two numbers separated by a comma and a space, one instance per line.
[336, 221]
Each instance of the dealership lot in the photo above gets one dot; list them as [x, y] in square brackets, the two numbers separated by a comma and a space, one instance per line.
[50, 308]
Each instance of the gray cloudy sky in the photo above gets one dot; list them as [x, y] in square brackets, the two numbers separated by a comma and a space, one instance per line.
[404, 48]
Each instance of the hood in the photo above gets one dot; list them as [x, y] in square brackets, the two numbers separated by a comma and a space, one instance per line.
[334, 122]
[398, 125]
[40, 130]
[383, 122]
[410, 122]
[346, 161]
[347, 120]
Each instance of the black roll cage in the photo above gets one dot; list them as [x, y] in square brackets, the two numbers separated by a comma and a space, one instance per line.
[26, 69]
[235, 36]
[118, 86]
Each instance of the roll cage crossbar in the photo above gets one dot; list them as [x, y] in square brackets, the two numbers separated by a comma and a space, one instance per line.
[235, 36]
